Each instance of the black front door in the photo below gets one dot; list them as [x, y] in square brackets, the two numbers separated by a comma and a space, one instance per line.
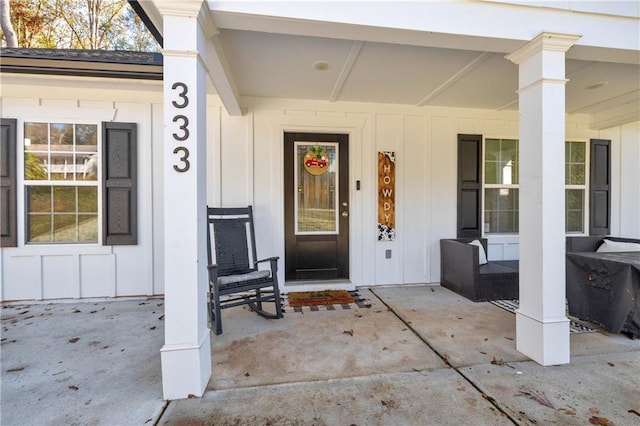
[316, 179]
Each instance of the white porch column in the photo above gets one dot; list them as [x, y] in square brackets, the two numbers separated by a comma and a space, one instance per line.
[542, 328]
[186, 354]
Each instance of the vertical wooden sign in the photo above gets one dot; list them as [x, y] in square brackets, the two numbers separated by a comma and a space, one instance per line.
[386, 196]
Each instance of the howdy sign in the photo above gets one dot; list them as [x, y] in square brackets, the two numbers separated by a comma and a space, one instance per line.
[386, 196]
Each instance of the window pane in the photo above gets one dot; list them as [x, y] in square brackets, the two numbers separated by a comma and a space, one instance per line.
[574, 210]
[492, 150]
[64, 199]
[62, 166]
[88, 227]
[501, 210]
[577, 174]
[64, 227]
[87, 199]
[87, 137]
[39, 228]
[39, 199]
[577, 152]
[36, 135]
[491, 172]
[87, 167]
[62, 134]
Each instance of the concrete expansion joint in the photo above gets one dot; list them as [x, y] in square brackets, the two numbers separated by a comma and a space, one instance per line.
[162, 411]
[445, 359]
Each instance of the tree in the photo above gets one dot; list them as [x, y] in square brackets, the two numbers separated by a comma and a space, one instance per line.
[80, 24]
[5, 23]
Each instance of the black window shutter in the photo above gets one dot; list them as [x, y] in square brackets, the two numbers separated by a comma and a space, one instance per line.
[469, 186]
[600, 188]
[8, 214]
[119, 184]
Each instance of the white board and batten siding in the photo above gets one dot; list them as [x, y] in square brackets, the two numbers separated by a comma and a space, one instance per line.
[245, 166]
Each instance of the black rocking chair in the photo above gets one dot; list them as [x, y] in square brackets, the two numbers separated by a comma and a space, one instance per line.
[234, 273]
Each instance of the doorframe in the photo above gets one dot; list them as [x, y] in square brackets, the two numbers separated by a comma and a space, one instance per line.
[354, 128]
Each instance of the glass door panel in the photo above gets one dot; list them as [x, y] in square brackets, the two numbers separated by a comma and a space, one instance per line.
[316, 185]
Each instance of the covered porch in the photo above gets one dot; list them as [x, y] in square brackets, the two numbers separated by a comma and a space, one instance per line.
[229, 151]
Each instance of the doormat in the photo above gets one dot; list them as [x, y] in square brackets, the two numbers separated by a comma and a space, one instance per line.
[575, 327]
[326, 300]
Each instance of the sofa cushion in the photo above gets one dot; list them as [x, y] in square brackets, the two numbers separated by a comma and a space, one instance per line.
[614, 246]
[482, 256]
[496, 268]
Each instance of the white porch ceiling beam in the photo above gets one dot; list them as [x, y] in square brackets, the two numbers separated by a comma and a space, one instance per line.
[454, 78]
[346, 70]
[220, 75]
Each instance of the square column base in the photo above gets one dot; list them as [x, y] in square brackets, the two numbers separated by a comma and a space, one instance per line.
[186, 369]
[547, 343]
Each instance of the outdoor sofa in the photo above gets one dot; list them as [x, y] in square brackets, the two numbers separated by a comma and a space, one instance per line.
[462, 272]
[603, 282]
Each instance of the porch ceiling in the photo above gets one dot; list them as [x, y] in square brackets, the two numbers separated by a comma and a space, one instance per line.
[278, 56]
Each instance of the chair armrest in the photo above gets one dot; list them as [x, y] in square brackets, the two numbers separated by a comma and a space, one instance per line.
[459, 261]
[213, 273]
[583, 243]
[273, 261]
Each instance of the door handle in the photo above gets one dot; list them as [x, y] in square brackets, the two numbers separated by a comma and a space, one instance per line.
[345, 214]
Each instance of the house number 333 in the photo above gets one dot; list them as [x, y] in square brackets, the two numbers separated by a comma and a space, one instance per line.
[183, 129]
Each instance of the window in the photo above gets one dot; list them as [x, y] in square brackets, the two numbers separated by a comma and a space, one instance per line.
[576, 186]
[501, 186]
[501, 163]
[61, 182]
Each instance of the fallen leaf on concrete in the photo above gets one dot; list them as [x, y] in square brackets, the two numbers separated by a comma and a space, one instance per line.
[610, 364]
[569, 411]
[73, 388]
[152, 328]
[191, 395]
[509, 338]
[161, 317]
[602, 421]
[385, 348]
[498, 361]
[462, 388]
[483, 353]
[632, 411]
[432, 290]
[594, 410]
[74, 339]
[76, 311]
[349, 332]
[247, 374]
[540, 397]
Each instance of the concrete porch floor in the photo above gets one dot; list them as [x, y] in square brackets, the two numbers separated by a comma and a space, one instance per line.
[418, 355]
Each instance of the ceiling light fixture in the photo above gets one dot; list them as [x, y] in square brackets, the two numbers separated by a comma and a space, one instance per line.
[597, 85]
[321, 65]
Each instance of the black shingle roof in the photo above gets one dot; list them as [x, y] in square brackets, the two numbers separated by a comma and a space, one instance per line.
[97, 63]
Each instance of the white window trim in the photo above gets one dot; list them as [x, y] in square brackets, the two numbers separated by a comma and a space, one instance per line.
[585, 187]
[21, 181]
